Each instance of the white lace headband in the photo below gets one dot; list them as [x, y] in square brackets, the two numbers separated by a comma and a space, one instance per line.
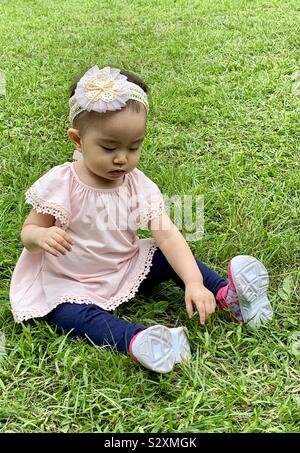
[104, 89]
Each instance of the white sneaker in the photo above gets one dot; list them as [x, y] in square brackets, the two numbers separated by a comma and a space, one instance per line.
[158, 348]
[250, 280]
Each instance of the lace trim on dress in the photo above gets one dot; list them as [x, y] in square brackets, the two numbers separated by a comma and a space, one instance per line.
[46, 207]
[25, 315]
[133, 284]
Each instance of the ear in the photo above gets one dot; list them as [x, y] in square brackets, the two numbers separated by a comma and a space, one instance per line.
[74, 136]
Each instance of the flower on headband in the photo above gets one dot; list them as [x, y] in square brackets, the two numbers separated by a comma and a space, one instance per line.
[102, 90]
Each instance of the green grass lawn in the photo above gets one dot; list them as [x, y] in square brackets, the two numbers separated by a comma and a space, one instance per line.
[223, 123]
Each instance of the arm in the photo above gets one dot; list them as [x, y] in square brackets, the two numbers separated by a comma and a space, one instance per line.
[39, 233]
[175, 248]
[31, 228]
[177, 252]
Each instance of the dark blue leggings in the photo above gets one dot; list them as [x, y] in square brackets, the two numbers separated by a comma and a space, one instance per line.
[90, 322]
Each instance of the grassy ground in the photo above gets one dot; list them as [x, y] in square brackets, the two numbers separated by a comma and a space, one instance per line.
[223, 123]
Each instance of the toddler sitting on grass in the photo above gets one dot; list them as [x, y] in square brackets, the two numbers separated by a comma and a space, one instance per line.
[82, 257]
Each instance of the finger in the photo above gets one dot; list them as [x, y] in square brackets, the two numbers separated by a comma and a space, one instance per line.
[210, 306]
[55, 245]
[64, 235]
[62, 240]
[202, 312]
[208, 316]
[189, 308]
[64, 245]
[214, 303]
[68, 238]
[51, 250]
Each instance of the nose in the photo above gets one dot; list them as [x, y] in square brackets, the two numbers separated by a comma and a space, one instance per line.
[120, 158]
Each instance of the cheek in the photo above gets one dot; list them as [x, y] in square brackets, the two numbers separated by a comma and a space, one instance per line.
[97, 159]
[134, 158]
[137, 154]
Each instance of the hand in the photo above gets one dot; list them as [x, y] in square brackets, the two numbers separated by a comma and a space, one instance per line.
[54, 240]
[197, 294]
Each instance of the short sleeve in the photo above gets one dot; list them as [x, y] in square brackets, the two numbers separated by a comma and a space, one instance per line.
[50, 194]
[150, 200]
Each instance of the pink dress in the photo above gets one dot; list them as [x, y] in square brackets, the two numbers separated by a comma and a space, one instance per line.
[108, 261]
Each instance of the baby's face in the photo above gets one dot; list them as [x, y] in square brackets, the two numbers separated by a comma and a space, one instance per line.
[114, 142]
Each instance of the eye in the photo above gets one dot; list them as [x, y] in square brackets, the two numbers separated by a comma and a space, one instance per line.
[108, 149]
[133, 149]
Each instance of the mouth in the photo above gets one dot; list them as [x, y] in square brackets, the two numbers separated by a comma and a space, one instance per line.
[117, 172]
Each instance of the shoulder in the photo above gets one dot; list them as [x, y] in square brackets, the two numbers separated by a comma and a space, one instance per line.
[142, 181]
[53, 183]
[51, 193]
[60, 173]
[61, 169]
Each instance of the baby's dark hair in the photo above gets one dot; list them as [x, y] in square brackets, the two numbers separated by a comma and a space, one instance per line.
[85, 118]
